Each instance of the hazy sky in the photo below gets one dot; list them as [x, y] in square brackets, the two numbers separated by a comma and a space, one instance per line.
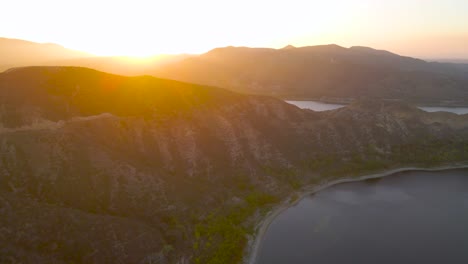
[422, 28]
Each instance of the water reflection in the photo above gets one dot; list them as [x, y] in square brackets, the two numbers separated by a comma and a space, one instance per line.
[413, 217]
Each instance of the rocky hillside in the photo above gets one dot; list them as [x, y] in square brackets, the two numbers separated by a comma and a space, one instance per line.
[100, 168]
[328, 72]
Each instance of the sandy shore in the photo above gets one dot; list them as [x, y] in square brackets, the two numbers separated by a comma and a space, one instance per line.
[255, 243]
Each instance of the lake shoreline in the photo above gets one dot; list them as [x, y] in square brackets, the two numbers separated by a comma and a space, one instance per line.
[348, 101]
[254, 243]
[320, 106]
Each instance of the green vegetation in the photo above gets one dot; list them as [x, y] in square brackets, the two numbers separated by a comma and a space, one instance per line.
[433, 153]
[330, 165]
[180, 171]
[221, 237]
[287, 175]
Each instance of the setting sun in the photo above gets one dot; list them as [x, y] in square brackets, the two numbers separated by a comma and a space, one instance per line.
[143, 28]
[234, 131]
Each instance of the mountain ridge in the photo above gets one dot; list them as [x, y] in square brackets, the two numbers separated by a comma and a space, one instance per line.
[141, 169]
[325, 71]
[23, 53]
[18, 52]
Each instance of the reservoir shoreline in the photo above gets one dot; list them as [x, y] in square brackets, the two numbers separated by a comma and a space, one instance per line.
[326, 106]
[347, 101]
[254, 243]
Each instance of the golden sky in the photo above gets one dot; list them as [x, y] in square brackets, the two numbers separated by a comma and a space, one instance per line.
[421, 28]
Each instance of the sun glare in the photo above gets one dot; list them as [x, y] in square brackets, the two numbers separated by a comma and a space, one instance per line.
[142, 28]
[140, 59]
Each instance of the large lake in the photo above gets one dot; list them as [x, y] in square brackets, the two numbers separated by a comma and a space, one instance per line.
[410, 217]
[319, 106]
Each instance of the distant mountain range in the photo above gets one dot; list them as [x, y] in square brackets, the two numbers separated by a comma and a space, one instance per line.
[459, 61]
[16, 52]
[101, 168]
[19, 53]
[328, 73]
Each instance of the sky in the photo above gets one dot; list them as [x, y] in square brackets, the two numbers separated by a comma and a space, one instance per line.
[419, 28]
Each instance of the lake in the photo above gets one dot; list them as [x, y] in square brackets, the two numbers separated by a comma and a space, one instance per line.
[456, 110]
[314, 105]
[408, 217]
[319, 106]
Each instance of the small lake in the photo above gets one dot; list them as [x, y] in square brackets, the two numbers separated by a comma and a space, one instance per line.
[314, 105]
[409, 217]
[456, 110]
[319, 106]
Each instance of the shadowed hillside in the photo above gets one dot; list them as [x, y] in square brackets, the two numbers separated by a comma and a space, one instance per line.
[329, 73]
[100, 168]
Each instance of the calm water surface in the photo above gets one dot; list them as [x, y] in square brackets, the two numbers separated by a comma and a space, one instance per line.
[411, 217]
[314, 105]
[456, 110]
[319, 106]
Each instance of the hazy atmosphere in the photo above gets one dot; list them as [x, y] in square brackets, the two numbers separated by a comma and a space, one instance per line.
[418, 28]
[234, 132]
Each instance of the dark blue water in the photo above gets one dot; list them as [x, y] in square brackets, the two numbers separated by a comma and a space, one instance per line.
[411, 217]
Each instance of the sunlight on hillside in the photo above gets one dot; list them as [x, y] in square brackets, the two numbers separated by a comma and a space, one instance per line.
[234, 131]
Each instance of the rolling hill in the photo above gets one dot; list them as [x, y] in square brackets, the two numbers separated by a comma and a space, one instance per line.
[16, 53]
[20, 53]
[101, 168]
[328, 73]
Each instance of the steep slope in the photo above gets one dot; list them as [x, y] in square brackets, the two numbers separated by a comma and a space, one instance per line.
[325, 71]
[100, 168]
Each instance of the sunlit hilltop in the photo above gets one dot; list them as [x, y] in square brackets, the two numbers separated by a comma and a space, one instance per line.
[234, 131]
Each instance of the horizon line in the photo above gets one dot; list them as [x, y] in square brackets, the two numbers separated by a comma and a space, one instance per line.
[94, 55]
